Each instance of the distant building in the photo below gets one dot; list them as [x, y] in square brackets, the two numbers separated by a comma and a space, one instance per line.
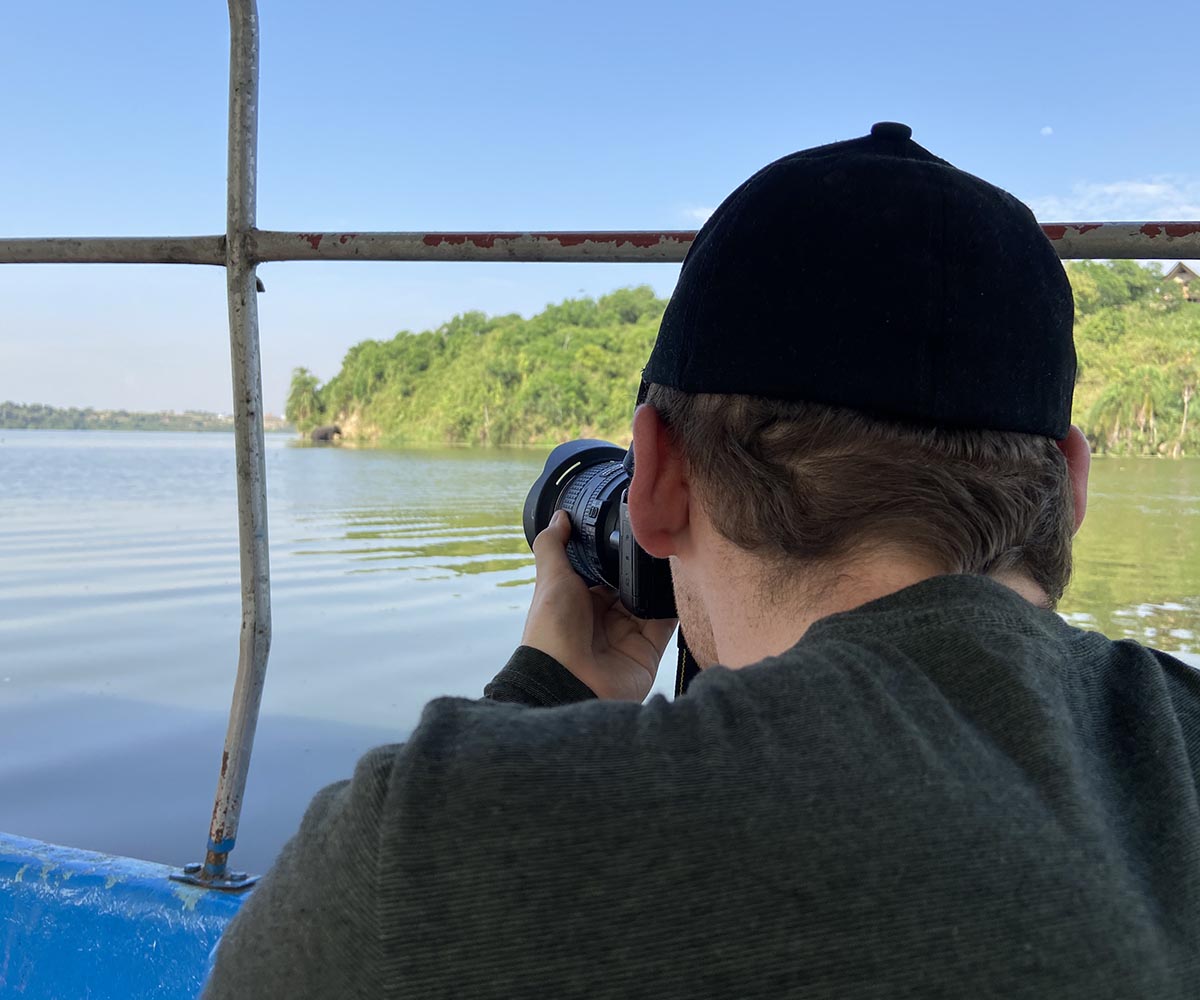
[1185, 276]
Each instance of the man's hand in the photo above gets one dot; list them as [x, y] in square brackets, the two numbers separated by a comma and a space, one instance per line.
[589, 631]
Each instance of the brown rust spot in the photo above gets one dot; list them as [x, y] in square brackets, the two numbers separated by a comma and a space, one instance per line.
[487, 241]
[1172, 229]
[1057, 232]
[484, 240]
[638, 239]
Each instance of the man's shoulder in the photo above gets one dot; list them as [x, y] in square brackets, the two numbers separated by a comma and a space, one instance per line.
[482, 742]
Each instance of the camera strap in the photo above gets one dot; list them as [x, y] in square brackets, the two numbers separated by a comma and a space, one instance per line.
[688, 669]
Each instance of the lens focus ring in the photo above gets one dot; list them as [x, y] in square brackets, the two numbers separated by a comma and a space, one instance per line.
[585, 499]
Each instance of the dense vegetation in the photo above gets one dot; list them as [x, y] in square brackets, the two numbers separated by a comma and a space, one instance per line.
[1138, 342]
[39, 417]
[572, 370]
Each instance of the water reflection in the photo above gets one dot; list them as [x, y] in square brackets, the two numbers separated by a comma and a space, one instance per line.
[1167, 626]
[1137, 557]
[397, 577]
[468, 543]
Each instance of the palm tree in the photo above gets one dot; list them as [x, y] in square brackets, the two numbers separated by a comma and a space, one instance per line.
[304, 407]
[1133, 401]
[1111, 416]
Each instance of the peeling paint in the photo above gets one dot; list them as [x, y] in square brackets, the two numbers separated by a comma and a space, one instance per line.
[347, 237]
[487, 241]
[188, 896]
[313, 239]
[1176, 230]
[643, 241]
[484, 240]
[1057, 232]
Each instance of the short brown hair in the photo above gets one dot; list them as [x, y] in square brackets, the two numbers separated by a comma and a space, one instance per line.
[805, 481]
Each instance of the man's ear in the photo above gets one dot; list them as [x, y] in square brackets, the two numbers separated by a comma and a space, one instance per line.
[1079, 460]
[658, 495]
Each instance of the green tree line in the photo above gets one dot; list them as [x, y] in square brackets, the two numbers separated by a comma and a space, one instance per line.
[572, 370]
[1138, 341]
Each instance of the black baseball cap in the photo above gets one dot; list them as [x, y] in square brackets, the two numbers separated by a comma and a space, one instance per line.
[871, 274]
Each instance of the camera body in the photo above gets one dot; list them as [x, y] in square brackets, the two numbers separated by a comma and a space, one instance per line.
[590, 480]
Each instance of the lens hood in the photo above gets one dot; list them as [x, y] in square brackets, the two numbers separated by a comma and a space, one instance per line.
[560, 464]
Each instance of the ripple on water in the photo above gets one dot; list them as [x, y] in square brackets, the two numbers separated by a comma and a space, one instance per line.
[396, 577]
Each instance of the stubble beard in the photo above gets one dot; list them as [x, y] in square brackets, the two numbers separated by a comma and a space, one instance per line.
[693, 620]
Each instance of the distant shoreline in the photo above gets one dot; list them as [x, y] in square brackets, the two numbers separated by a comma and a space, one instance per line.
[150, 430]
[38, 416]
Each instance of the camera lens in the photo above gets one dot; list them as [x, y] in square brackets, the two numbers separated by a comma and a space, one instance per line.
[592, 499]
[586, 479]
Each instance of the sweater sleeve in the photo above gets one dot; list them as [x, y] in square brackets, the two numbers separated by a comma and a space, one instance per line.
[309, 929]
[314, 917]
[538, 680]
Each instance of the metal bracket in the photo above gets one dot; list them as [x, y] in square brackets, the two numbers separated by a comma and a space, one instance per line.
[229, 881]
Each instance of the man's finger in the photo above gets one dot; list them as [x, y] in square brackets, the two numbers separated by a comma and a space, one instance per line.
[549, 547]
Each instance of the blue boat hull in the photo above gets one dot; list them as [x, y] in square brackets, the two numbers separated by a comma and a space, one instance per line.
[80, 924]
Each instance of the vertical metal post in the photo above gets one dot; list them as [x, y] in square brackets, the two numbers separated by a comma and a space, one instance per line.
[255, 638]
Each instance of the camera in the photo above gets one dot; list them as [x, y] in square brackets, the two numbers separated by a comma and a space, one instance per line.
[590, 481]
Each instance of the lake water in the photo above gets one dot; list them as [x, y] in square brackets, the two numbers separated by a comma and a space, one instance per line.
[398, 576]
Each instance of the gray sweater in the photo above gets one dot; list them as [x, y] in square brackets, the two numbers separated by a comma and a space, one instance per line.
[945, 792]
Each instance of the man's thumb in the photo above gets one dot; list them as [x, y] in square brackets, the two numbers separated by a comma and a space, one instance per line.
[549, 548]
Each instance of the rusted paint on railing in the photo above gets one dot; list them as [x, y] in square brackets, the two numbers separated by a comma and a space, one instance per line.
[1071, 240]
[1174, 230]
[596, 247]
[1131, 240]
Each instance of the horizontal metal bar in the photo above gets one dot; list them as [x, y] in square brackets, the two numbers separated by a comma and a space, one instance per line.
[1072, 240]
[597, 247]
[1128, 240]
[114, 250]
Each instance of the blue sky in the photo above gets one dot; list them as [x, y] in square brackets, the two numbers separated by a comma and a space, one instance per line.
[521, 115]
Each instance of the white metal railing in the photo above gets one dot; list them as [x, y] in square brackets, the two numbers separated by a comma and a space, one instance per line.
[244, 246]
[1072, 240]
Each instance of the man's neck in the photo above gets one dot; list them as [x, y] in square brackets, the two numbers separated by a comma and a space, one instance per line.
[747, 630]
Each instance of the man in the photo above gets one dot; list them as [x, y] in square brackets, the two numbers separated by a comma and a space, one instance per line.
[903, 775]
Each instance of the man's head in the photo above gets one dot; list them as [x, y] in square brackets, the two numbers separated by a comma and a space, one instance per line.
[869, 350]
